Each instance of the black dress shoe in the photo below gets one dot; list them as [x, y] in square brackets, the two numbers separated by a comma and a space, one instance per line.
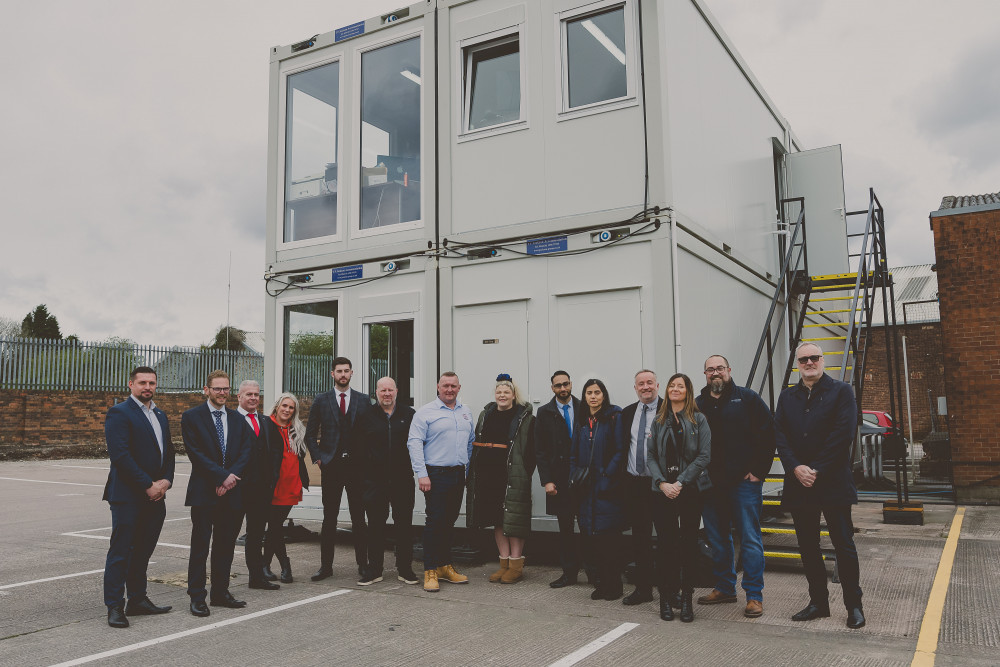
[638, 596]
[812, 611]
[855, 618]
[264, 585]
[563, 581]
[666, 611]
[200, 609]
[116, 617]
[144, 607]
[613, 594]
[228, 601]
[597, 594]
[322, 573]
[270, 576]
[687, 608]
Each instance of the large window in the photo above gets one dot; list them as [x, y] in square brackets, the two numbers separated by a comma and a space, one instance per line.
[597, 56]
[310, 344]
[312, 99]
[491, 83]
[390, 134]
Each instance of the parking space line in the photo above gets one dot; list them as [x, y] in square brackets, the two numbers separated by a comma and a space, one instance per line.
[930, 627]
[45, 481]
[594, 646]
[63, 576]
[59, 465]
[198, 630]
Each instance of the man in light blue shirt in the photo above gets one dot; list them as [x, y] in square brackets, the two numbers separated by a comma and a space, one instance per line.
[440, 444]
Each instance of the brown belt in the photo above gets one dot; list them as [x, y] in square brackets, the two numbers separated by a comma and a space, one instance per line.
[489, 444]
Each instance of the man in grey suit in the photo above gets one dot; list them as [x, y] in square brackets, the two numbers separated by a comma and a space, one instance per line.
[330, 437]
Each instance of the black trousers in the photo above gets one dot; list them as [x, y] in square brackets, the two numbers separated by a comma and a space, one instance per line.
[841, 528]
[135, 528]
[677, 522]
[639, 508]
[218, 524]
[605, 549]
[569, 544]
[256, 524]
[375, 499]
[442, 504]
[401, 499]
[274, 538]
[338, 475]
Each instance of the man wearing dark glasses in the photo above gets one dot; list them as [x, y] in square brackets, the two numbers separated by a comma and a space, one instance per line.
[817, 420]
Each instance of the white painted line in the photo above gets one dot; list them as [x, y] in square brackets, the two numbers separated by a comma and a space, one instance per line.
[64, 576]
[66, 495]
[59, 465]
[159, 544]
[195, 631]
[45, 481]
[595, 646]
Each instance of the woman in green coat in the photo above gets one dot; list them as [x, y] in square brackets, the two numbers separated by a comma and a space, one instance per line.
[503, 460]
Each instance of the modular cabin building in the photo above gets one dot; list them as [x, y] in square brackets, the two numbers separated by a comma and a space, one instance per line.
[501, 186]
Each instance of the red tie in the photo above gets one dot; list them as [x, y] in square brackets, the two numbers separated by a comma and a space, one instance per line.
[343, 405]
[253, 419]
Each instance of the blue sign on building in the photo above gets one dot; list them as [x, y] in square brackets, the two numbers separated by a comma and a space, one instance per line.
[349, 31]
[341, 273]
[545, 246]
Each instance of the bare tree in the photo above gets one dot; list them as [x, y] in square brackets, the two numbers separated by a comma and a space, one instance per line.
[9, 327]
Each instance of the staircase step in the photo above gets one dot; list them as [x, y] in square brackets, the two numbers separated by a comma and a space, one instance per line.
[829, 368]
[791, 554]
[811, 340]
[831, 312]
[787, 531]
[828, 324]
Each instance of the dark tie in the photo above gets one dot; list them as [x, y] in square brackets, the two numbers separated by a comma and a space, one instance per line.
[640, 444]
[220, 432]
[569, 422]
[343, 404]
[253, 419]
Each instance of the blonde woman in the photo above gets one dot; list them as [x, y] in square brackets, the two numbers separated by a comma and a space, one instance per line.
[503, 460]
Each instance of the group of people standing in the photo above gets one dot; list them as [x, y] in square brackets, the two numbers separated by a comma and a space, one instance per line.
[667, 462]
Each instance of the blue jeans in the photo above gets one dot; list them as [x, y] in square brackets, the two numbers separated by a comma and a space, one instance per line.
[442, 505]
[736, 507]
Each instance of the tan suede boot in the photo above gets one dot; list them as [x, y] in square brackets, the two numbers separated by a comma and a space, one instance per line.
[515, 571]
[431, 581]
[495, 577]
[448, 573]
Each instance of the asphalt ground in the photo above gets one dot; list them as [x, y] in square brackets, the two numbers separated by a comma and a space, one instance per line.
[54, 536]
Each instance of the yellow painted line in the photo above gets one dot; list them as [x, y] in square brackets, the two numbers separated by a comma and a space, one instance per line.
[788, 531]
[930, 627]
[828, 324]
[772, 502]
[832, 298]
[810, 340]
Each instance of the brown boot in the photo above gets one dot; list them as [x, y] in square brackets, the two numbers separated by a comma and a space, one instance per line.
[448, 573]
[431, 584]
[515, 572]
[496, 576]
[716, 597]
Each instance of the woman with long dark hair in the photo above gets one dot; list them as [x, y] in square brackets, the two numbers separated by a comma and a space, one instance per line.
[677, 453]
[598, 455]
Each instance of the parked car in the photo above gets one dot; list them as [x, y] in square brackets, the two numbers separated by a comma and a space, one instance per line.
[881, 422]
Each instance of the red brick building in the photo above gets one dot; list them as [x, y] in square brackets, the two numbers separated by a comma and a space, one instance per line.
[967, 248]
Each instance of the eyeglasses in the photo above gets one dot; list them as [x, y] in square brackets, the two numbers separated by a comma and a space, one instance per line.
[812, 357]
[717, 369]
[504, 377]
[219, 390]
[561, 385]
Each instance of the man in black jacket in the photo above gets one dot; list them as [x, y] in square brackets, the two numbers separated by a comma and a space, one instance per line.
[554, 426]
[330, 437]
[742, 452]
[388, 480]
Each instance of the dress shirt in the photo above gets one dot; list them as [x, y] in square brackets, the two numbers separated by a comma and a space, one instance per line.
[440, 436]
[347, 398]
[153, 421]
[246, 415]
[634, 439]
[225, 422]
[572, 414]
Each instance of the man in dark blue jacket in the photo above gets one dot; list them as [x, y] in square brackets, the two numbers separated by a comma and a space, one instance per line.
[817, 422]
[742, 452]
[142, 469]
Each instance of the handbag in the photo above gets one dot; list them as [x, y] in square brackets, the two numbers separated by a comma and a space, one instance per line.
[581, 478]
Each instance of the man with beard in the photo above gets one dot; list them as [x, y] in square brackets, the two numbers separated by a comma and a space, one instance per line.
[742, 452]
[330, 437]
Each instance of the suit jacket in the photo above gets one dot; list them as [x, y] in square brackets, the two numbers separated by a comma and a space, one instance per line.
[135, 455]
[208, 470]
[264, 468]
[335, 431]
[552, 448]
[625, 426]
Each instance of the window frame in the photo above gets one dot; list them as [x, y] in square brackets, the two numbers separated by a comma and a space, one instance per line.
[357, 121]
[327, 59]
[631, 97]
[283, 302]
[464, 52]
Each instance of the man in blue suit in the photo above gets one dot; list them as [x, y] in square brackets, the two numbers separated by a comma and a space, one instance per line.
[142, 469]
[218, 442]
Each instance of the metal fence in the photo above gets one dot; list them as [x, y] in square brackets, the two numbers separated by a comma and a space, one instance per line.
[72, 365]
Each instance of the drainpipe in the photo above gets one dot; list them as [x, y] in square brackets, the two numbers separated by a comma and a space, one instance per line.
[677, 292]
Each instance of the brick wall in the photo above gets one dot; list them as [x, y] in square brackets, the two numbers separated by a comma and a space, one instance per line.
[967, 246]
[926, 365]
[71, 423]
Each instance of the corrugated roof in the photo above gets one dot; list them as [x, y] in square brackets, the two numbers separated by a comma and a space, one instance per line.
[970, 200]
[912, 283]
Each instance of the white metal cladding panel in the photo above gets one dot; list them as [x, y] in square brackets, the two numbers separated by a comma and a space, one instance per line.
[718, 138]
[719, 315]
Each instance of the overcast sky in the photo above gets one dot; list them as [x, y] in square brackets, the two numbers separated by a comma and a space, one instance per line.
[134, 138]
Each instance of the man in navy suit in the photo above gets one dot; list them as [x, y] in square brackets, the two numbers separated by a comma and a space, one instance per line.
[339, 454]
[218, 442]
[142, 469]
